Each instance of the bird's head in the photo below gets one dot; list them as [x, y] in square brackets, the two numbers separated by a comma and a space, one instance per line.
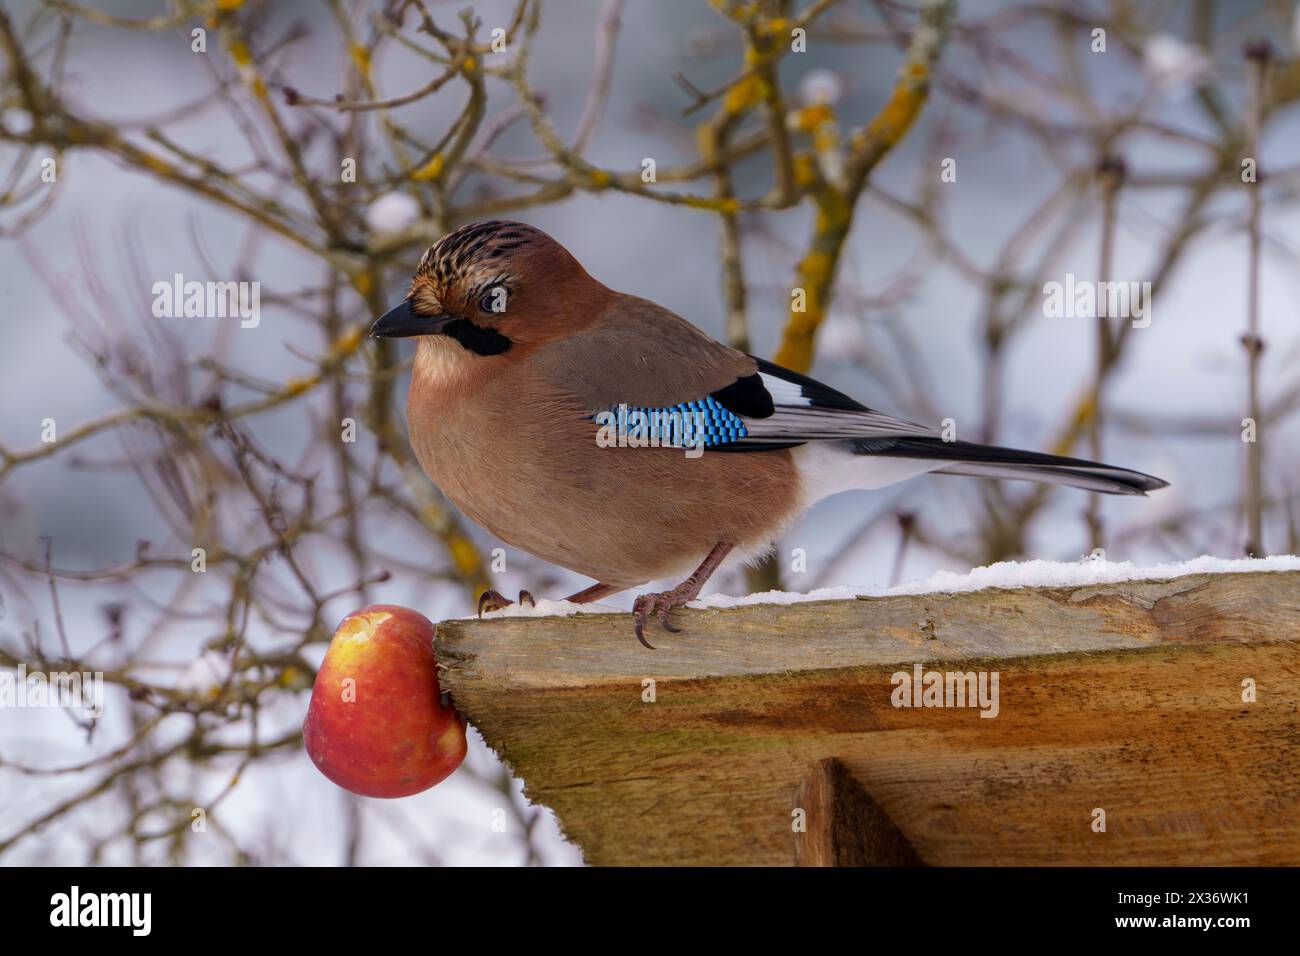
[491, 286]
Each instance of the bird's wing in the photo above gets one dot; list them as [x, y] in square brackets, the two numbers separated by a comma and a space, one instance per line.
[639, 354]
[804, 409]
[645, 359]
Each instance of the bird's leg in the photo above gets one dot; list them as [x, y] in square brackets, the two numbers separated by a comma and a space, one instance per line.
[661, 603]
[593, 593]
[491, 600]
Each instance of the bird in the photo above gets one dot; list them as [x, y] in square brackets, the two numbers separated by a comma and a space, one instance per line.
[603, 433]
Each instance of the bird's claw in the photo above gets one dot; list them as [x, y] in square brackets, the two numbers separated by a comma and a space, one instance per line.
[640, 611]
[491, 600]
[659, 604]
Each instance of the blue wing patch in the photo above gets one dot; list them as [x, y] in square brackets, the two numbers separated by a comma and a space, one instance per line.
[770, 410]
[704, 423]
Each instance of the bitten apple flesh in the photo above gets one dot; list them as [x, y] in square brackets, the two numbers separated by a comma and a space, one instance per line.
[376, 724]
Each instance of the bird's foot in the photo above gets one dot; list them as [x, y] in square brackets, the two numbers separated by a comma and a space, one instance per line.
[491, 600]
[659, 604]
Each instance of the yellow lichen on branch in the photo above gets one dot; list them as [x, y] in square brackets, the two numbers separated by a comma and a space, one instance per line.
[815, 279]
[432, 169]
[816, 271]
[891, 124]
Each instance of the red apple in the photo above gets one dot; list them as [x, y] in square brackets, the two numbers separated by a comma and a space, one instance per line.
[376, 724]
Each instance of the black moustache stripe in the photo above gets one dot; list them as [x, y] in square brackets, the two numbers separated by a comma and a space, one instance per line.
[477, 339]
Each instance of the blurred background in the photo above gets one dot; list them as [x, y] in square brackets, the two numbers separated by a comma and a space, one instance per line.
[921, 172]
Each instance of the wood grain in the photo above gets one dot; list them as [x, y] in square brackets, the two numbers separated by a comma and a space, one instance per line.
[1124, 698]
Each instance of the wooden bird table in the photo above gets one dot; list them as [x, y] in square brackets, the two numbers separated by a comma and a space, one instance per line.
[1145, 722]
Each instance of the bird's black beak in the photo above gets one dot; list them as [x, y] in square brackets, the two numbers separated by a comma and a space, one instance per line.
[402, 322]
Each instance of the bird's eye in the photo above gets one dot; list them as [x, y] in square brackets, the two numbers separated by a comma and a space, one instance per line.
[494, 300]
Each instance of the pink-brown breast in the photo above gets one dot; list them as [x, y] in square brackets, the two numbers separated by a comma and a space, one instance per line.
[521, 459]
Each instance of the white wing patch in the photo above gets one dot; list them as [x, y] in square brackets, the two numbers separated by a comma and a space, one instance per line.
[795, 418]
[783, 392]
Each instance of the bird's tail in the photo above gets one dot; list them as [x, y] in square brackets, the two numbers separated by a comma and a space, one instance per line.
[991, 461]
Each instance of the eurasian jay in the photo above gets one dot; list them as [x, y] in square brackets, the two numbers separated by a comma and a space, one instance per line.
[523, 365]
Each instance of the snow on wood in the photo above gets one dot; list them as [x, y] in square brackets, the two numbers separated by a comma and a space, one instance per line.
[1167, 702]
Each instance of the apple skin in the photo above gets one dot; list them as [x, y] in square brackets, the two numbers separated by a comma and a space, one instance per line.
[388, 734]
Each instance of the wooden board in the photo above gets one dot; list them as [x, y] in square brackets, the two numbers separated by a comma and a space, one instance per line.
[1123, 698]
